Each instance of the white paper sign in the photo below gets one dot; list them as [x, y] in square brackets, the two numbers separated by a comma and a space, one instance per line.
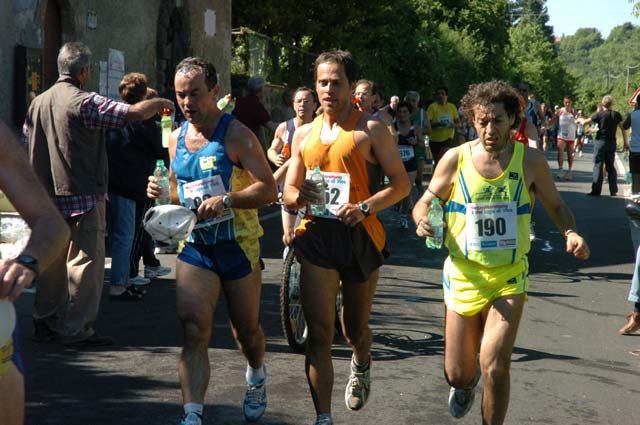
[406, 152]
[492, 226]
[336, 193]
[115, 72]
[201, 190]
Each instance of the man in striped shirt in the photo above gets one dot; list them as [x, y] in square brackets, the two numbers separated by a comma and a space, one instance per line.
[63, 129]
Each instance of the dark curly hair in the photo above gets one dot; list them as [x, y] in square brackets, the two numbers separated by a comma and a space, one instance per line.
[495, 91]
[133, 87]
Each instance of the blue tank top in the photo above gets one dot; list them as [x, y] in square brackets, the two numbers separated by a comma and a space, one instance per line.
[209, 161]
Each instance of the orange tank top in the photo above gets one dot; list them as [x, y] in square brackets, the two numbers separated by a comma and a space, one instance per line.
[343, 156]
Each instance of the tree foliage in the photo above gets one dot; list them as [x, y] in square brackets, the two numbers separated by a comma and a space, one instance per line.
[601, 66]
[413, 44]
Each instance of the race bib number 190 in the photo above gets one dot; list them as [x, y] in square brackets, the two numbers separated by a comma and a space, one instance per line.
[492, 226]
[196, 192]
[336, 192]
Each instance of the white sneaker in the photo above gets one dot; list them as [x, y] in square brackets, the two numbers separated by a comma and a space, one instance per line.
[357, 391]
[153, 272]
[139, 281]
[323, 420]
[460, 401]
[191, 419]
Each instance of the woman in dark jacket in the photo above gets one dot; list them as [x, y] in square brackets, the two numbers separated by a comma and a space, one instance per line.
[132, 152]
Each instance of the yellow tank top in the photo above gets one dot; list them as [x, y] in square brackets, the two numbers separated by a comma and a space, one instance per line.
[343, 156]
[488, 220]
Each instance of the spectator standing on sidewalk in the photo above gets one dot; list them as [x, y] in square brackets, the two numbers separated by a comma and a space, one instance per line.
[67, 151]
[604, 149]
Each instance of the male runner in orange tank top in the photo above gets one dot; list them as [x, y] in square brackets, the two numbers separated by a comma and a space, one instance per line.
[347, 247]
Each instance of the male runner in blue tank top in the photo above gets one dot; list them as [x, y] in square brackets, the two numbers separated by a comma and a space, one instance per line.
[218, 167]
[488, 186]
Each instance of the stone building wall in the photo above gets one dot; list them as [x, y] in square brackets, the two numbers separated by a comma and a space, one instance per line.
[152, 34]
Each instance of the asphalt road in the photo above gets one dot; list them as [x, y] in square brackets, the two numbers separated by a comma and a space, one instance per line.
[569, 365]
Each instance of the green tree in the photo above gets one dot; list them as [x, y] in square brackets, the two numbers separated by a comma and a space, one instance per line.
[531, 57]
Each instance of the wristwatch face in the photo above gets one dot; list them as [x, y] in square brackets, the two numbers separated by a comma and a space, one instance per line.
[364, 207]
[226, 201]
[28, 261]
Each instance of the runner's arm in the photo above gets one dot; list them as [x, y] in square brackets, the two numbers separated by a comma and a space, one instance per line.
[244, 148]
[545, 189]
[49, 231]
[298, 192]
[440, 186]
[273, 153]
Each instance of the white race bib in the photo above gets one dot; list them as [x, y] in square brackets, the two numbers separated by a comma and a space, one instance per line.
[445, 120]
[406, 152]
[336, 193]
[492, 226]
[201, 190]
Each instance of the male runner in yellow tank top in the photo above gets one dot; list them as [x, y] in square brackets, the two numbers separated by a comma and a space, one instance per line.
[488, 186]
[347, 245]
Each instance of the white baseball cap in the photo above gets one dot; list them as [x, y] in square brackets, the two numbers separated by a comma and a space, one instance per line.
[169, 223]
[7, 320]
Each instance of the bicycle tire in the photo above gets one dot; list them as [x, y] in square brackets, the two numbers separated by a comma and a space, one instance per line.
[292, 319]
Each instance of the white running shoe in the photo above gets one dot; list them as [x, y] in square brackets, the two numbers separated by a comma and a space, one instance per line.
[153, 272]
[323, 420]
[255, 402]
[191, 419]
[139, 281]
[461, 399]
[357, 391]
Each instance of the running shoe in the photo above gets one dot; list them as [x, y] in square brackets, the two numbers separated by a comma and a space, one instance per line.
[323, 420]
[357, 392]
[580, 154]
[560, 174]
[191, 419]
[139, 281]
[461, 399]
[153, 272]
[255, 402]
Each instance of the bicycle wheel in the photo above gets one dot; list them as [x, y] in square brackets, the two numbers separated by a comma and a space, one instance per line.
[291, 316]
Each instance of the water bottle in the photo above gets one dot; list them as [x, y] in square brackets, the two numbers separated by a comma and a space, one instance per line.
[435, 220]
[165, 124]
[162, 174]
[319, 207]
[226, 104]
[426, 140]
[628, 179]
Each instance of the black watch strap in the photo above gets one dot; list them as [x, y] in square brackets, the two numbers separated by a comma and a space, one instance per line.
[29, 262]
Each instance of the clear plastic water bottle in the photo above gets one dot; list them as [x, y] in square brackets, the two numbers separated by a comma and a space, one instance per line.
[320, 206]
[435, 220]
[628, 179]
[226, 104]
[165, 124]
[426, 140]
[162, 174]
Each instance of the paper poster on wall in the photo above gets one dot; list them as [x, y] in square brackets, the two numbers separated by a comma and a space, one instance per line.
[210, 23]
[102, 88]
[115, 72]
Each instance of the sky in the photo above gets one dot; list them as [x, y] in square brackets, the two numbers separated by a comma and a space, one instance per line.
[567, 16]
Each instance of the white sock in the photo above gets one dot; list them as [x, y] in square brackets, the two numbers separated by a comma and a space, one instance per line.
[193, 408]
[255, 376]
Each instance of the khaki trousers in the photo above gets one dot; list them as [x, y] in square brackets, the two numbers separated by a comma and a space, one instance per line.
[69, 291]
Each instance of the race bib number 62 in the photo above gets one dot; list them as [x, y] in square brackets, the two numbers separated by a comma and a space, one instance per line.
[336, 192]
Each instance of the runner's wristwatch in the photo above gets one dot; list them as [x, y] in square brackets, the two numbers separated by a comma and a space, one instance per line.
[364, 207]
[227, 201]
[29, 262]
